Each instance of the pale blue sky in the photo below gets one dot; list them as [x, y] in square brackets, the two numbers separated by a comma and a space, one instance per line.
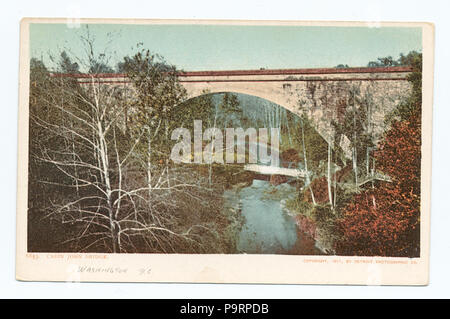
[215, 47]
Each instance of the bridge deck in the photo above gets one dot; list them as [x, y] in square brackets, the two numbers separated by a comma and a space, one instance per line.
[261, 72]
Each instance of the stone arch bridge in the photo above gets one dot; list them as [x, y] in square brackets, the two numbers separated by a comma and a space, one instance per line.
[320, 93]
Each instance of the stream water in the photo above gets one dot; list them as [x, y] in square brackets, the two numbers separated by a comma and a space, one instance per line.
[267, 229]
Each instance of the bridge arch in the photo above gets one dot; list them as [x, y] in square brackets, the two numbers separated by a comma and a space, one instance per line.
[290, 88]
[255, 108]
[290, 103]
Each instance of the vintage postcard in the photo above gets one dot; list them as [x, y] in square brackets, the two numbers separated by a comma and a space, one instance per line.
[224, 151]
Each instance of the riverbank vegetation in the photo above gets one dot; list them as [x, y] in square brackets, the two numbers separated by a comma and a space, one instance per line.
[371, 205]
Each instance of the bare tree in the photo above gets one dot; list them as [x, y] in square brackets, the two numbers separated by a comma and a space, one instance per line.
[112, 208]
[305, 159]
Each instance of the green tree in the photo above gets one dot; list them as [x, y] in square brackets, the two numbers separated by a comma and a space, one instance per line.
[229, 110]
[385, 61]
[414, 101]
[65, 64]
[98, 67]
[355, 125]
[199, 108]
[158, 94]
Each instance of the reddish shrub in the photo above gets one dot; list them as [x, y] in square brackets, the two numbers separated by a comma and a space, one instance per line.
[385, 221]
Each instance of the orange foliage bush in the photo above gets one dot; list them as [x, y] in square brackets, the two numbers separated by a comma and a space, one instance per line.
[385, 220]
[320, 190]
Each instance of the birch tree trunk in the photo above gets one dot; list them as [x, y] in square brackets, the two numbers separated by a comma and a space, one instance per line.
[104, 160]
[210, 164]
[149, 163]
[355, 150]
[308, 180]
[330, 196]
